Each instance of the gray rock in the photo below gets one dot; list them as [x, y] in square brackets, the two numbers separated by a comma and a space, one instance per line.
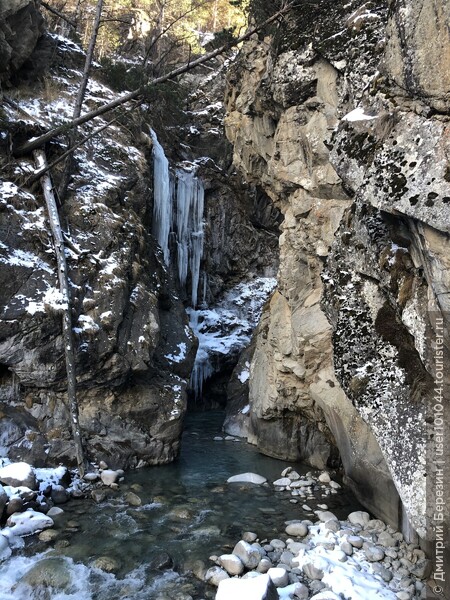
[283, 482]
[277, 544]
[17, 475]
[3, 500]
[301, 591]
[264, 565]
[15, 504]
[249, 537]
[347, 548]
[373, 553]
[286, 558]
[324, 477]
[59, 494]
[385, 539]
[297, 529]
[422, 569]
[48, 572]
[249, 555]
[356, 541]
[108, 476]
[232, 564]
[215, 575]
[326, 515]
[332, 525]
[359, 517]
[279, 576]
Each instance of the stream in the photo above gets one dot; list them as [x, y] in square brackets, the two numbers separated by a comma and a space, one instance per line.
[112, 550]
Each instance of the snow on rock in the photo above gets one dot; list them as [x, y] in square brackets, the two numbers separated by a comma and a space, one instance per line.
[358, 114]
[247, 478]
[257, 588]
[18, 474]
[28, 522]
[50, 476]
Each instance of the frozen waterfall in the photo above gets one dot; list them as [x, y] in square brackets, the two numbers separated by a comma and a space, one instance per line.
[189, 227]
[163, 197]
[184, 190]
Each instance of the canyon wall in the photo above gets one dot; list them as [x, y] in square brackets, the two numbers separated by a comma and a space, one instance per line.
[339, 119]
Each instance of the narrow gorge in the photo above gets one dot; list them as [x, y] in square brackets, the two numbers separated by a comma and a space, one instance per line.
[266, 235]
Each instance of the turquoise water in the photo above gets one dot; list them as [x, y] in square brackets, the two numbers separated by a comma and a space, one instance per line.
[188, 513]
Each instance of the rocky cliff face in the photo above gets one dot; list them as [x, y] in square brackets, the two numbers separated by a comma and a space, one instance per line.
[135, 350]
[21, 25]
[129, 324]
[340, 121]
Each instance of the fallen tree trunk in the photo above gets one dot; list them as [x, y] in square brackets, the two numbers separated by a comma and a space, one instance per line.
[39, 141]
[55, 225]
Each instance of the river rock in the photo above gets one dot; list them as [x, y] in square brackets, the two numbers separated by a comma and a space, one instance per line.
[106, 563]
[249, 555]
[18, 474]
[385, 539]
[108, 476]
[214, 575]
[422, 569]
[59, 494]
[247, 478]
[133, 499]
[55, 511]
[326, 595]
[332, 525]
[28, 522]
[373, 553]
[347, 548]
[160, 561]
[256, 588]
[91, 477]
[297, 529]
[49, 535]
[279, 576]
[301, 591]
[324, 477]
[326, 515]
[98, 496]
[282, 482]
[359, 517]
[249, 536]
[14, 505]
[264, 565]
[232, 564]
[355, 540]
[48, 572]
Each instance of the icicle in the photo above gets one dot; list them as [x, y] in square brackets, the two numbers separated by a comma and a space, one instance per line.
[189, 223]
[163, 194]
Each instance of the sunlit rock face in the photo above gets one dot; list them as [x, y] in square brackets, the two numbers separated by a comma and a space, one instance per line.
[343, 354]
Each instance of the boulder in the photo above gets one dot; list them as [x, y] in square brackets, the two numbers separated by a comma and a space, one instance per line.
[48, 573]
[255, 588]
[18, 474]
[249, 555]
[214, 575]
[232, 564]
[28, 522]
[359, 517]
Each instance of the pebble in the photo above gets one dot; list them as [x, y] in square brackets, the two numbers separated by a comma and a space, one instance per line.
[325, 515]
[215, 575]
[109, 477]
[249, 555]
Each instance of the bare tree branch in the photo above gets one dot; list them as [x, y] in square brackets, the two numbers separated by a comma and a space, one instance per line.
[58, 14]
